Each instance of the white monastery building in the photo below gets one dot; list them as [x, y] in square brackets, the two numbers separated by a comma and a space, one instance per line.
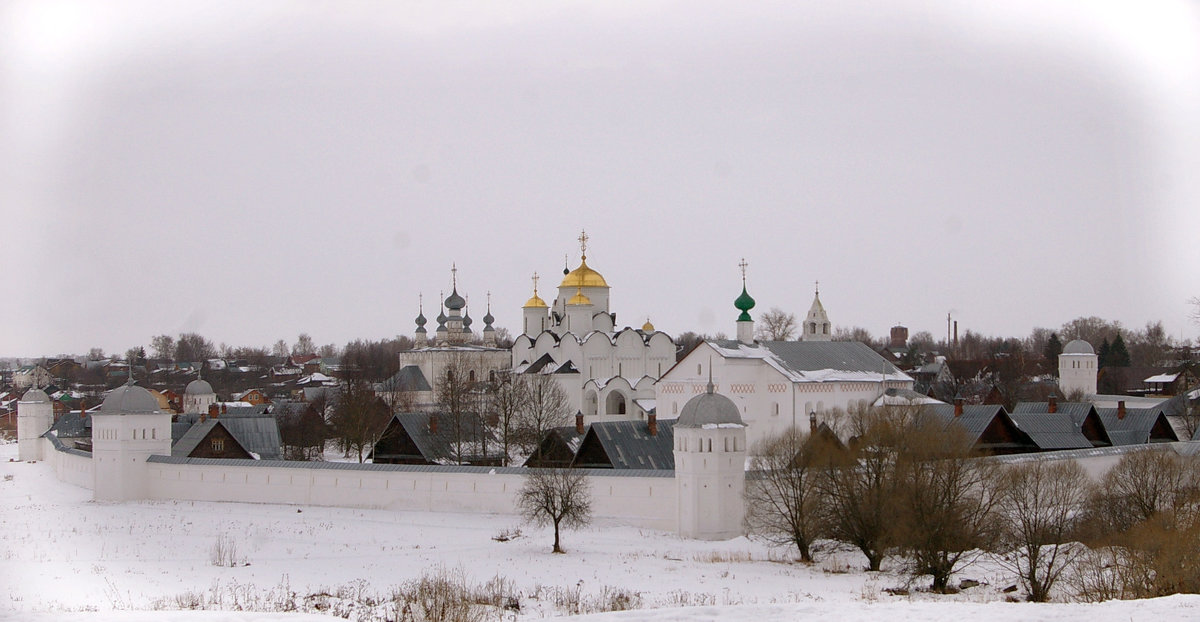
[424, 367]
[607, 373]
[779, 384]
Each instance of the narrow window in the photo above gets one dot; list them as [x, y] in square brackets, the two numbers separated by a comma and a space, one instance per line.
[218, 445]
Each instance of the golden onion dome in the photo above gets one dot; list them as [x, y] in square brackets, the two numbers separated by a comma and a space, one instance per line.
[535, 303]
[648, 327]
[583, 276]
[579, 298]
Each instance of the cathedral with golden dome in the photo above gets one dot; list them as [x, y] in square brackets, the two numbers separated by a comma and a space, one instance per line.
[608, 373]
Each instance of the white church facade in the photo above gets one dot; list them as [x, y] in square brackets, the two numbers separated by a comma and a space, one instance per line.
[779, 384]
[608, 373]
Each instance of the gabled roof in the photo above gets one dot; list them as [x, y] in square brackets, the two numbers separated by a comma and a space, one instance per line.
[1137, 426]
[409, 378]
[540, 364]
[627, 445]
[440, 445]
[257, 433]
[816, 361]
[73, 425]
[1051, 430]
[975, 418]
[1078, 411]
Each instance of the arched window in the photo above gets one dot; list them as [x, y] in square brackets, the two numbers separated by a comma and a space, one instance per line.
[825, 328]
[615, 403]
[674, 408]
[812, 327]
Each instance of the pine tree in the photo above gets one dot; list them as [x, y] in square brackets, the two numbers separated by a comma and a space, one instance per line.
[1102, 354]
[1118, 354]
[1054, 347]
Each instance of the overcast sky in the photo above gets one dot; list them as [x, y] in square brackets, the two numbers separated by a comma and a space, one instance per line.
[249, 171]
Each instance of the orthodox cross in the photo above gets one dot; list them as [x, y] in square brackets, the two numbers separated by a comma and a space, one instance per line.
[817, 287]
[454, 275]
[583, 239]
[535, 281]
[742, 264]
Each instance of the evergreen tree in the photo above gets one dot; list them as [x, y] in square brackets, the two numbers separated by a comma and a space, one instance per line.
[1102, 353]
[1118, 354]
[1054, 347]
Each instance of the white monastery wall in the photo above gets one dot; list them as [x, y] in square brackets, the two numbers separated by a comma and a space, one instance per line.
[72, 466]
[643, 501]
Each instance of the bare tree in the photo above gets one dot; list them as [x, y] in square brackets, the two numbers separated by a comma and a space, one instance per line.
[784, 504]
[358, 417]
[509, 397]
[861, 495]
[1142, 485]
[545, 407]
[1039, 510]
[776, 325]
[1195, 314]
[455, 394]
[304, 345]
[163, 346]
[193, 347]
[947, 499]
[560, 497]
[280, 349]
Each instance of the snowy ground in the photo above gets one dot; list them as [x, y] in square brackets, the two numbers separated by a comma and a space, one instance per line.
[65, 557]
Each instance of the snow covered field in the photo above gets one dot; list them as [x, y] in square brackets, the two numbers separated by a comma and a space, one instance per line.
[65, 557]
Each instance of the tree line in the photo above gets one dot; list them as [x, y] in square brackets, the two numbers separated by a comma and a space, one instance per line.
[912, 488]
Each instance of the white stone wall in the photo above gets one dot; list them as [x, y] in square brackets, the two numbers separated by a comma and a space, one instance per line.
[69, 466]
[639, 501]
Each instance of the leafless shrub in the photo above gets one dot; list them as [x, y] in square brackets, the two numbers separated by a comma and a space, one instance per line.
[224, 552]
[1040, 507]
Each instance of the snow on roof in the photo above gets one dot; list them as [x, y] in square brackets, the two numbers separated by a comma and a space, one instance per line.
[816, 361]
[1161, 378]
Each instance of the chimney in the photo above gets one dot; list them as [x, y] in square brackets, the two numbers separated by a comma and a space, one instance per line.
[958, 406]
[224, 408]
[203, 417]
[652, 424]
[1052, 406]
[214, 410]
[579, 422]
[1121, 409]
[433, 424]
[955, 333]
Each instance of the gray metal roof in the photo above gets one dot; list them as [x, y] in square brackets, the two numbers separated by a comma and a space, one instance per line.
[1134, 428]
[1078, 411]
[1051, 431]
[629, 444]
[709, 408]
[818, 355]
[414, 468]
[130, 399]
[441, 444]
[73, 425]
[975, 418]
[59, 446]
[256, 434]
[1078, 346]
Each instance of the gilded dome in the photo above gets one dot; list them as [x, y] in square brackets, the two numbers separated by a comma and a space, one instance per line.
[648, 327]
[535, 303]
[583, 276]
[579, 298]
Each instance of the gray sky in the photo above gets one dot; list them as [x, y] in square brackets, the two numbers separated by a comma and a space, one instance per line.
[253, 170]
